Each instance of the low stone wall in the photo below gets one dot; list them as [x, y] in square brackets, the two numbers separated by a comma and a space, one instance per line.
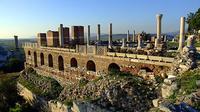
[70, 76]
[142, 57]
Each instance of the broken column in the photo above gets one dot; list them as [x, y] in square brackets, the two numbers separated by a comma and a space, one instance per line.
[191, 42]
[110, 36]
[157, 40]
[182, 34]
[61, 37]
[88, 36]
[16, 42]
[139, 41]
[98, 33]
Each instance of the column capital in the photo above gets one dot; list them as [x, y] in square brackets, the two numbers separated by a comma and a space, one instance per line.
[159, 16]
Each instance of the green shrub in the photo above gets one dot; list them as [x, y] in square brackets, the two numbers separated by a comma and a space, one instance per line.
[187, 81]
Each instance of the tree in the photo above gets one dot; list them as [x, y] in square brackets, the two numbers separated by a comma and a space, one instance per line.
[193, 21]
[13, 65]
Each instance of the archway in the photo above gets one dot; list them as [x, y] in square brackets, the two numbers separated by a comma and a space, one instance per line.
[35, 59]
[147, 69]
[41, 58]
[50, 60]
[73, 63]
[113, 67]
[60, 63]
[29, 52]
[91, 66]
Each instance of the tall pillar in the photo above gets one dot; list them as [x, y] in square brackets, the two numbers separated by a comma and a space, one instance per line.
[133, 36]
[127, 38]
[88, 36]
[123, 43]
[61, 36]
[157, 40]
[182, 34]
[110, 36]
[16, 42]
[139, 41]
[98, 33]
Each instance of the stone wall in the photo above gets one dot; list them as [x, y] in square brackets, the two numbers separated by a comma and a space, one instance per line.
[73, 64]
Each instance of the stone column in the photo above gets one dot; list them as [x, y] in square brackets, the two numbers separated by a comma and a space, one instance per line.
[165, 38]
[182, 34]
[157, 40]
[110, 36]
[61, 36]
[123, 43]
[139, 41]
[127, 38]
[98, 33]
[133, 36]
[16, 42]
[88, 36]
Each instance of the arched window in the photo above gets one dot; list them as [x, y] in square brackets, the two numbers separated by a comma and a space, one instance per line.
[41, 58]
[60, 63]
[91, 66]
[35, 59]
[73, 63]
[50, 60]
[113, 67]
[147, 69]
[29, 52]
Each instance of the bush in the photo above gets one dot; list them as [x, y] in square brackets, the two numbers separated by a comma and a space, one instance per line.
[13, 65]
[187, 81]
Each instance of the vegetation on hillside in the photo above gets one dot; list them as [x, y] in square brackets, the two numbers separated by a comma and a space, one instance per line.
[13, 65]
[187, 84]
[9, 98]
[42, 86]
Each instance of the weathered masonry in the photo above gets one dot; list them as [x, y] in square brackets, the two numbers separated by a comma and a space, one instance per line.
[91, 60]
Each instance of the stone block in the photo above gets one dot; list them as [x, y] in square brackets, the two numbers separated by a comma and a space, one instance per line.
[155, 102]
[168, 90]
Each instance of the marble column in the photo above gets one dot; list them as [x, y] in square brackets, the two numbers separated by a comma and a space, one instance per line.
[110, 36]
[158, 29]
[128, 37]
[61, 36]
[133, 36]
[98, 33]
[182, 34]
[123, 43]
[88, 36]
[139, 41]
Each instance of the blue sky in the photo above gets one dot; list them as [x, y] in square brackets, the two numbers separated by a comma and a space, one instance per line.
[26, 18]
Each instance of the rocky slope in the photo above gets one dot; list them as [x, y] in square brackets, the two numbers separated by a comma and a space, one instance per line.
[115, 92]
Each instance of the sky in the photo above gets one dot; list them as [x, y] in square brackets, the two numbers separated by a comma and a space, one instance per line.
[26, 18]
